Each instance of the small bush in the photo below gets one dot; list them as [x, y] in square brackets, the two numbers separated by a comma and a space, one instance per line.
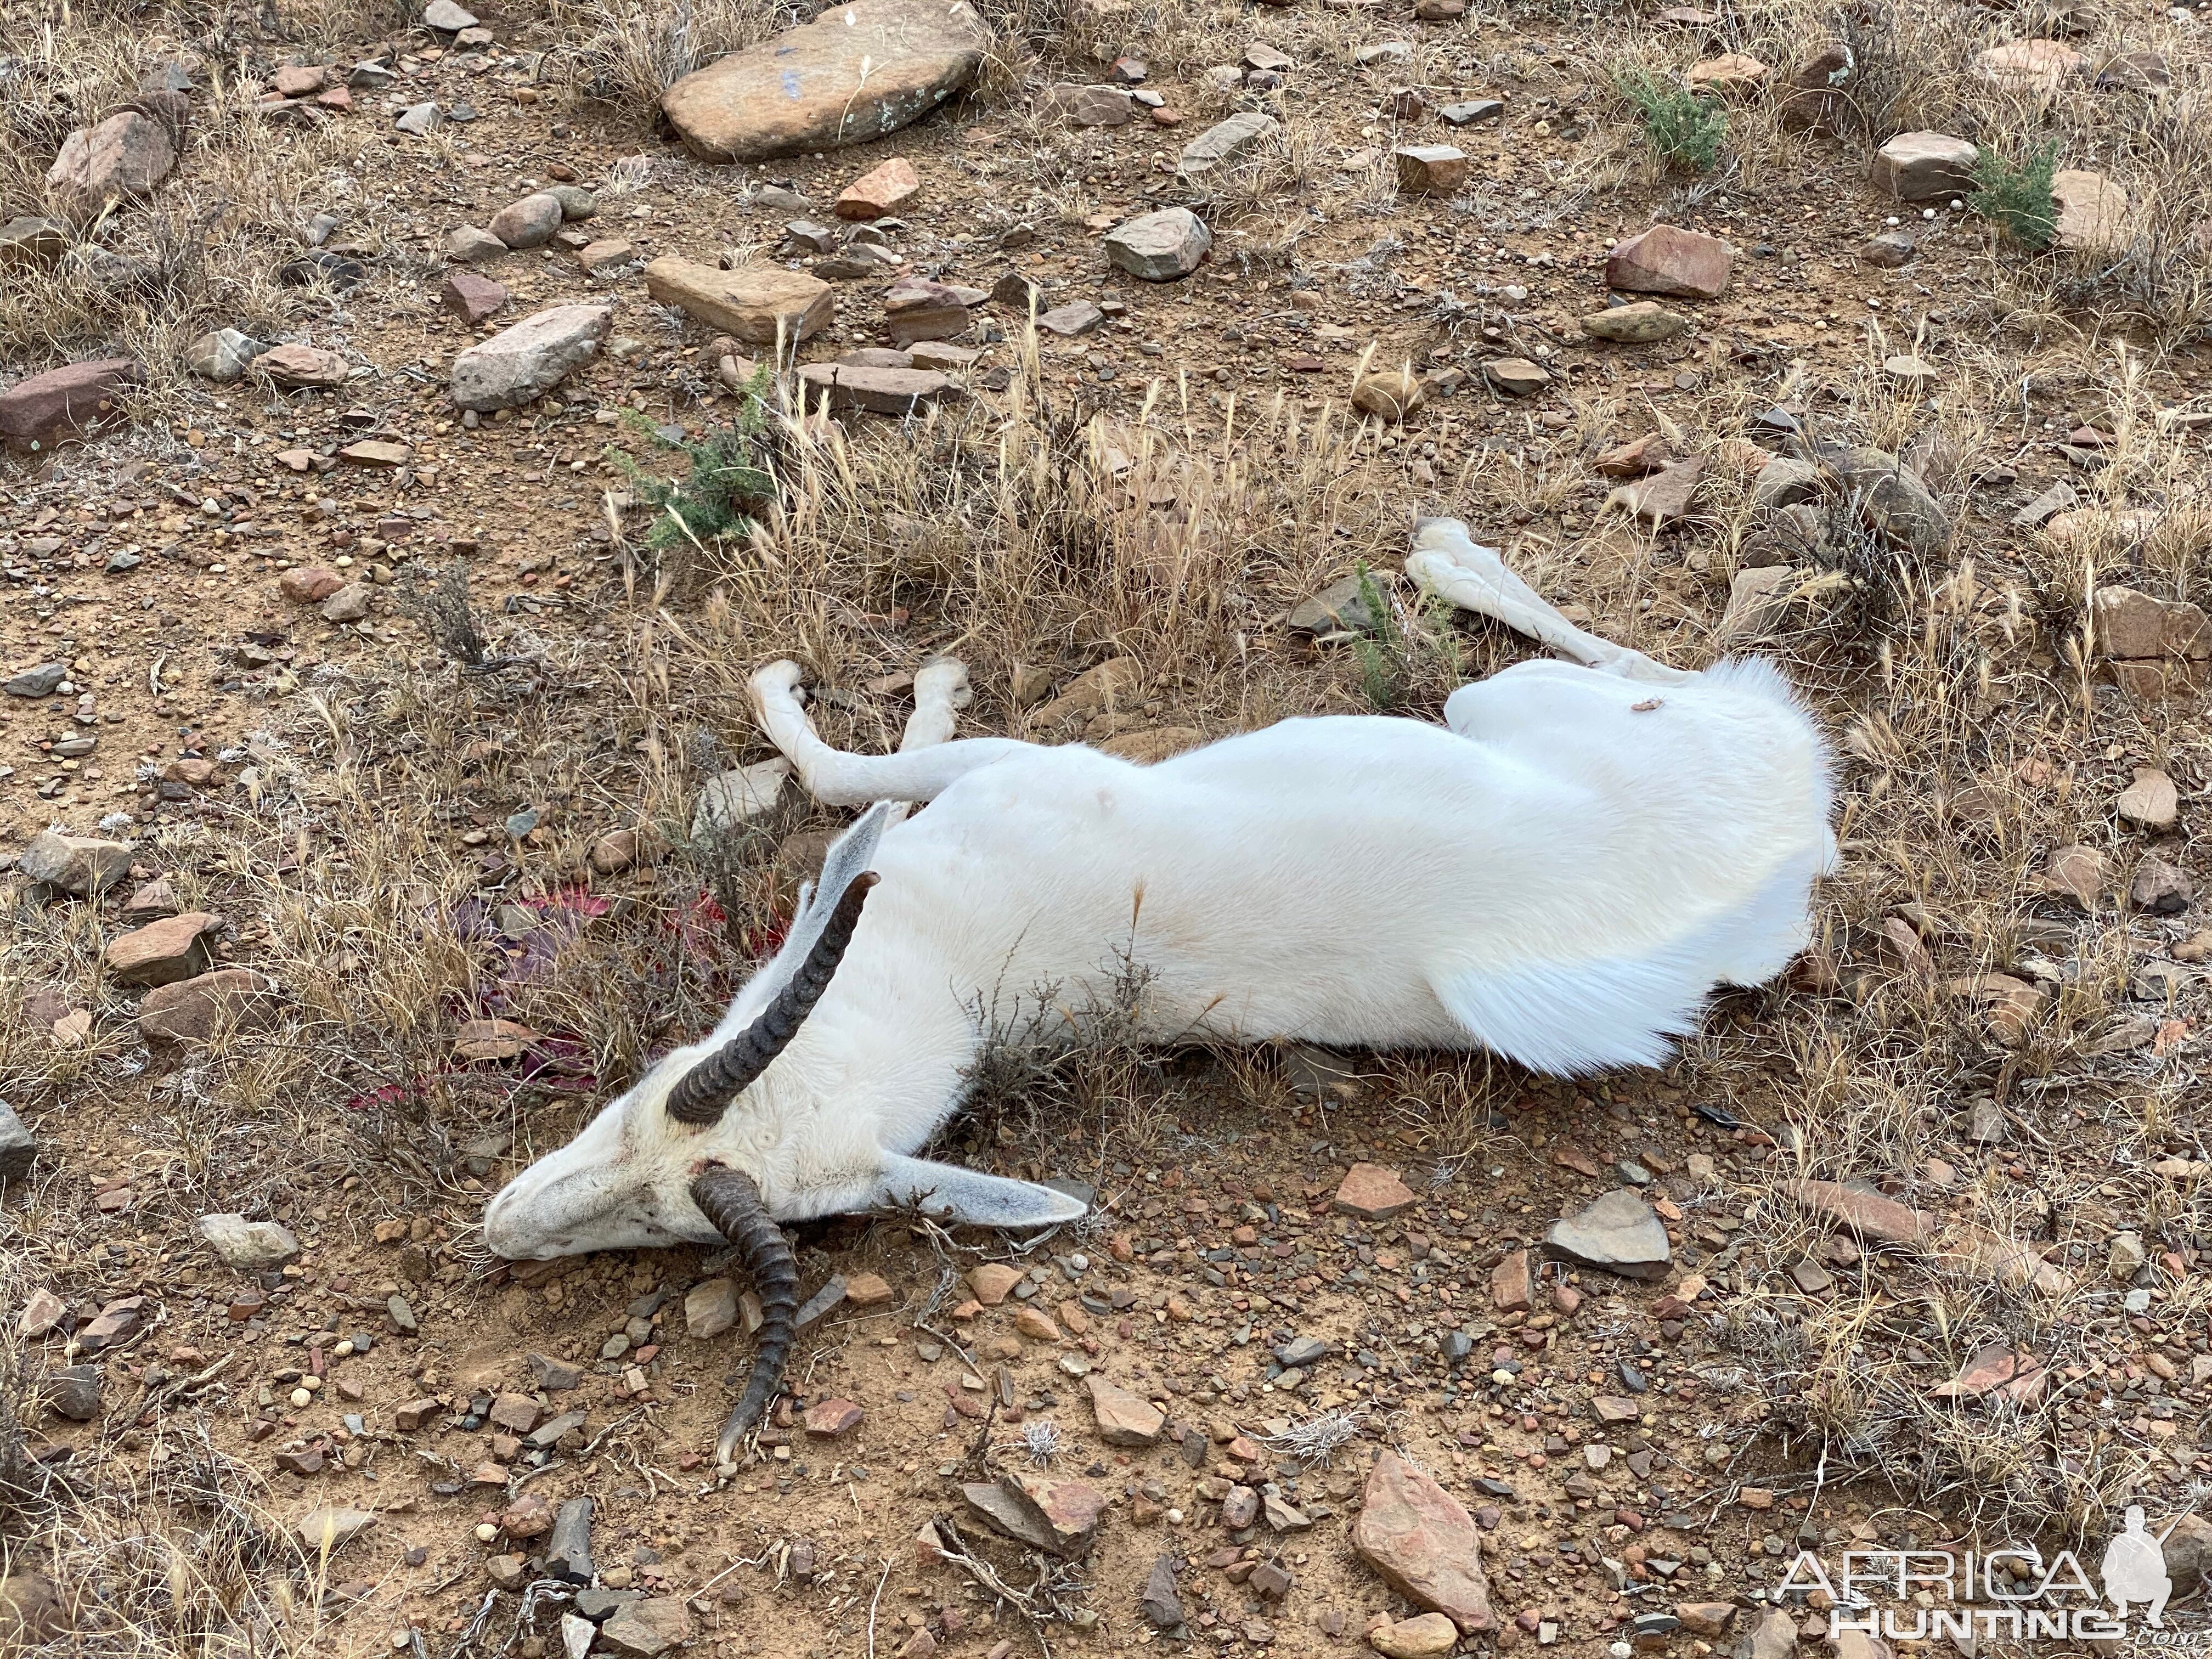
[726, 476]
[1685, 129]
[1379, 649]
[2015, 197]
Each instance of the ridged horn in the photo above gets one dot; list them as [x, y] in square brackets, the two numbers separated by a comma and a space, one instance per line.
[703, 1094]
[729, 1200]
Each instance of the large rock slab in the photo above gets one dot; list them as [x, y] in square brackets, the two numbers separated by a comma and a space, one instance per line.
[2092, 212]
[83, 864]
[2032, 66]
[856, 73]
[647, 1629]
[248, 1244]
[753, 303]
[163, 952]
[2133, 623]
[527, 360]
[1067, 1512]
[1920, 167]
[1618, 1233]
[124, 157]
[194, 1010]
[1159, 246]
[1423, 1543]
[847, 386]
[1667, 259]
[39, 410]
[1226, 140]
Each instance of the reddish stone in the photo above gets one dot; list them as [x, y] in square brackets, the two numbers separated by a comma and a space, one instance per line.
[1373, 1191]
[1124, 1418]
[866, 1290]
[881, 192]
[1992, 1368]
[844, 386]
[1635, 459]
[470, 297]
[124, 157]
[118, 1321]
[993, 1282]
[1868, 1215]
[163, 952]
[1511, 1289]
[827, 1419]
[529, 1516]
[192, 1010]
[1422, 1544]
[309, 584]
[1667, 260]
[1068, 1511]
[41, 408]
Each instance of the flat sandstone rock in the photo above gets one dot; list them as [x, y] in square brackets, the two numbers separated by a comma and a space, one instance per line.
[856, 73]
[760, 305]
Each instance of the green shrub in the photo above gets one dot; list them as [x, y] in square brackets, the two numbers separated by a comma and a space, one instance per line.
[725, 476]
[1379, 650]
[1685, 129]
[2016, 197]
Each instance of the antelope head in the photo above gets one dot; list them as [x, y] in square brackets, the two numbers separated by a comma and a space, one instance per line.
[717, 1142]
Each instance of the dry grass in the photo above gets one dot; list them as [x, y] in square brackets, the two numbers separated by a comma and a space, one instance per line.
[1047, 533]
[627, 52]
[202, 253]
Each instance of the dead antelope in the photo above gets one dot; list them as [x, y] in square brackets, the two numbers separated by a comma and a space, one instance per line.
[1561, 874]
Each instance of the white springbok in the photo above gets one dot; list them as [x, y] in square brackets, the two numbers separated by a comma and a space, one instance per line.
[1562, 873]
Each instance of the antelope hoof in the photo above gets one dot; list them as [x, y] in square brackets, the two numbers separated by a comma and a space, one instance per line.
[945, 677]
[778, 678]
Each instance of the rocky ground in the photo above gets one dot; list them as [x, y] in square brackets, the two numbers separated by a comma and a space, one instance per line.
[413, 445]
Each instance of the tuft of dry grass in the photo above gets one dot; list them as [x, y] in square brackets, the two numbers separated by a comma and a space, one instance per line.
[625, 53]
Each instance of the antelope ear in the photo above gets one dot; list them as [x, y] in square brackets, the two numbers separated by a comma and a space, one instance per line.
[980, 1200]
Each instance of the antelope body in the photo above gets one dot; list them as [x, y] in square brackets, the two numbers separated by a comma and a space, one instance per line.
[1561, 874]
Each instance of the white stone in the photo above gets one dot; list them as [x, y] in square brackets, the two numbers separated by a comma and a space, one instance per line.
[248, 1244]
[738, 796]
[529, 360]
[1161, 246]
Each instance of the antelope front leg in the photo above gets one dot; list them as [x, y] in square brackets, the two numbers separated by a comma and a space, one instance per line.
[927, 762]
